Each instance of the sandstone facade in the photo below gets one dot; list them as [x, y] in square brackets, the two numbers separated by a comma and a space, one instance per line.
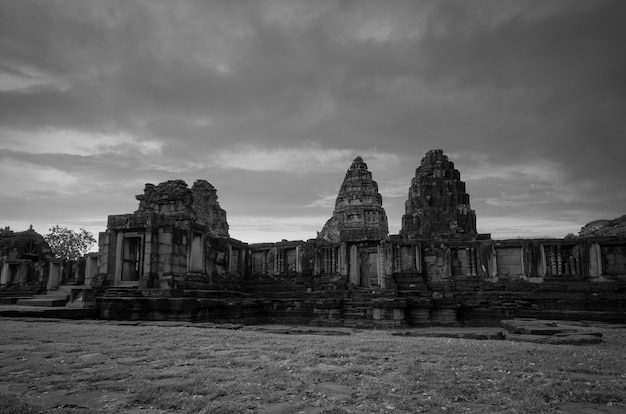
[173, 259]
[359, 212]
[174, 201]
[177, 238]
[438, 207]
[24, 262]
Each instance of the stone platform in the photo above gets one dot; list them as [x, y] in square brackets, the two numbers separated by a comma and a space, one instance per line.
[18, 311]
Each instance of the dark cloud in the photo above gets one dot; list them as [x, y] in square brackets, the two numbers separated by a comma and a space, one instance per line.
[188, 84]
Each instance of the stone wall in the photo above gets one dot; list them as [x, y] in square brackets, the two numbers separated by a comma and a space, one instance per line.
[419, 283]
[173, 259]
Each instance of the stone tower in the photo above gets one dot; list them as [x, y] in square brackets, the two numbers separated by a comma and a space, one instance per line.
[438, 207]
[358, 213]
[174, 201]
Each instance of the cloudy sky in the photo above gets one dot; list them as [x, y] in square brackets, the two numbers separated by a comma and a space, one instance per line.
[270, 101]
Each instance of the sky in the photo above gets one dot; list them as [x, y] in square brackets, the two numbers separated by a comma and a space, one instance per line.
[270, 101]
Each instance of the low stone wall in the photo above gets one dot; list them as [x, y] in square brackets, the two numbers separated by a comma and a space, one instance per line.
[473, 283]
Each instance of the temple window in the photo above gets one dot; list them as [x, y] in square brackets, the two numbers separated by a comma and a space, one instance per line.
[329, 260]
[406, 258]
[464, 261]
[614, 259]
[286, 259]
[259, 265]
[561, 260]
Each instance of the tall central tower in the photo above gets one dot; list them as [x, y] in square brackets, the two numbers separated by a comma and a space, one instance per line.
[438, 207]
[359, 213]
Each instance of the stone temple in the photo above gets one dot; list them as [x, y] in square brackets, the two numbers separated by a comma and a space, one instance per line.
[173, 259]
[359, 212]
[438, 207]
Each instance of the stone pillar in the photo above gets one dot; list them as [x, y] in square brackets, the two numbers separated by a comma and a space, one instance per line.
[595, 260]
[493, 263]
[229, 251]
[541, 262]
[4, 275]
[277, 266]
[418, 258]
[118, 258]
[354, 265]
[298, 260]
[389, 262]
[147, 253]
[317, 260]
[54, 276]
[381, 265]
[343, 259]
[91, 267]
[447, 262]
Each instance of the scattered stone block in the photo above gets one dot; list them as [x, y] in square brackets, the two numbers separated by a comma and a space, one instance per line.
[549, 332]
[556, 340]
[480, 335]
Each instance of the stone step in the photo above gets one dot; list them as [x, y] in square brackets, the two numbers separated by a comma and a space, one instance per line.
[12, 300]
[122, 292]
[45, 301]
[53, 295]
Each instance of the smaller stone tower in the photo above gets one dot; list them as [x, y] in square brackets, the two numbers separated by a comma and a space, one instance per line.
[438, 207]
[358, 213]
[173, 200]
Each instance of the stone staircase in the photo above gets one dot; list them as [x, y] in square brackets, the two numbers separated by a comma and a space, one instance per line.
[51, 299]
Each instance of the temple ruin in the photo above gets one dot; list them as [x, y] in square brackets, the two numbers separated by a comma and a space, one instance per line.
[438, 207]
[24, 261]
[173, 259]
[359, 212]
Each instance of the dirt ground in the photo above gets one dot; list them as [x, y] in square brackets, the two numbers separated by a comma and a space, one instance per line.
[61, 366]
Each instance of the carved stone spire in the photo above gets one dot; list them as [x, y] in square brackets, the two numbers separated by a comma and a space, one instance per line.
[438, 207]
[174, 200]
[358, 213]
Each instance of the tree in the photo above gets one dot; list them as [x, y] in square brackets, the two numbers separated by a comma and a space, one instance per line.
[68, 244]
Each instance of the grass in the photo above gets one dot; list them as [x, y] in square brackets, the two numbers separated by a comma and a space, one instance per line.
[196, 370]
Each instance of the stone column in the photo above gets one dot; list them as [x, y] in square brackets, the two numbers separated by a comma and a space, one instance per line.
[381, 265]
[230, 259]
[493, 263]
[418, 258]
[354, 265]
[541, 265]
[343, 259]
[298, 260]
[595, 260]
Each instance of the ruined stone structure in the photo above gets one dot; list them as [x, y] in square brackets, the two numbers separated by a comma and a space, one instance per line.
[177, 239]
[359, 213]
[173, 259]
[24, 262]
[173, 201]
[31, 275]
[438, 207]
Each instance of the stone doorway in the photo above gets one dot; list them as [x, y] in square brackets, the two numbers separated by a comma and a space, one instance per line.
[368, 267]
[129, 260]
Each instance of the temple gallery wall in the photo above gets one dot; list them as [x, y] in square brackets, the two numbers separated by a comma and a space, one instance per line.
[173, 259]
